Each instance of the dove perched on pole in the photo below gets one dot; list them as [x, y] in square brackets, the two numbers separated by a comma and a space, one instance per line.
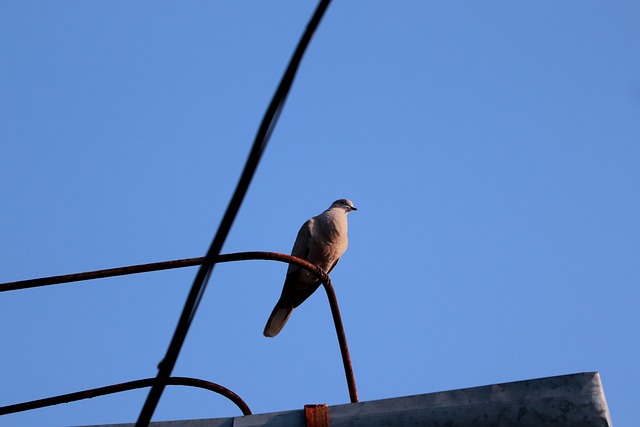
[321, 240]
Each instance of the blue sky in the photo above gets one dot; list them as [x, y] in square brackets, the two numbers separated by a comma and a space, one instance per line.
[492, 150]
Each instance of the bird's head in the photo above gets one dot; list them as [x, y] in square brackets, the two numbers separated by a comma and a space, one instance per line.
[345, 204]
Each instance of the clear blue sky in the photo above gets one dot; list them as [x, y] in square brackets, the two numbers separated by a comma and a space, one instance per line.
[492, 149]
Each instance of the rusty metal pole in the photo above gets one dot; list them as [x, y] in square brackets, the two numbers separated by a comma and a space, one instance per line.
[342, 340]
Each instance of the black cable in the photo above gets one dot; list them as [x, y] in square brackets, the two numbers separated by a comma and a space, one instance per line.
[202, 277]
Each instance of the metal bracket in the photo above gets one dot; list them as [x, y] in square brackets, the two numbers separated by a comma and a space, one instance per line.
[316, 415]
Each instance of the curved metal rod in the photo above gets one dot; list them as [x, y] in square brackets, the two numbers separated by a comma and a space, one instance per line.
[99, 274]
[190, 262]
[155, 266]
[117, 388]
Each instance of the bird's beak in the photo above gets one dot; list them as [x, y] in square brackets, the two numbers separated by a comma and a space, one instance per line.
[353, 208]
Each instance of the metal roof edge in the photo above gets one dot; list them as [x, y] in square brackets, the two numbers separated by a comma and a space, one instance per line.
[564, 400]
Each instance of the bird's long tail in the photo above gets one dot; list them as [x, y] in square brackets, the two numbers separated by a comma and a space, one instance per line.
[277, 320]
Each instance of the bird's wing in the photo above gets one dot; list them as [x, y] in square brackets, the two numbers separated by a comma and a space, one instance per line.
[303, 240]
[299, 283]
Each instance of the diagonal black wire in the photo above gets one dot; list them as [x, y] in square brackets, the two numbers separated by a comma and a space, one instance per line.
[202, 277]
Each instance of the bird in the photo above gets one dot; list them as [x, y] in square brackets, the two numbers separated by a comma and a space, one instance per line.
[321, 240]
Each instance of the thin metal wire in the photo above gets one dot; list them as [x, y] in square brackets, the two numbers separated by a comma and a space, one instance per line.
[118, 388]
[200, 283]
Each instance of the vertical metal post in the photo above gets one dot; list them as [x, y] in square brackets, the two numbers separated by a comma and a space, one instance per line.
[342, 340]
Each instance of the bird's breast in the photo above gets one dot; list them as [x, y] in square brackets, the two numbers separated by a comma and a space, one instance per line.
[329, 240]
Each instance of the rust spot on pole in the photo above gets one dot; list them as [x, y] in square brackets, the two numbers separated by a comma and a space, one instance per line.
[316, 415]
